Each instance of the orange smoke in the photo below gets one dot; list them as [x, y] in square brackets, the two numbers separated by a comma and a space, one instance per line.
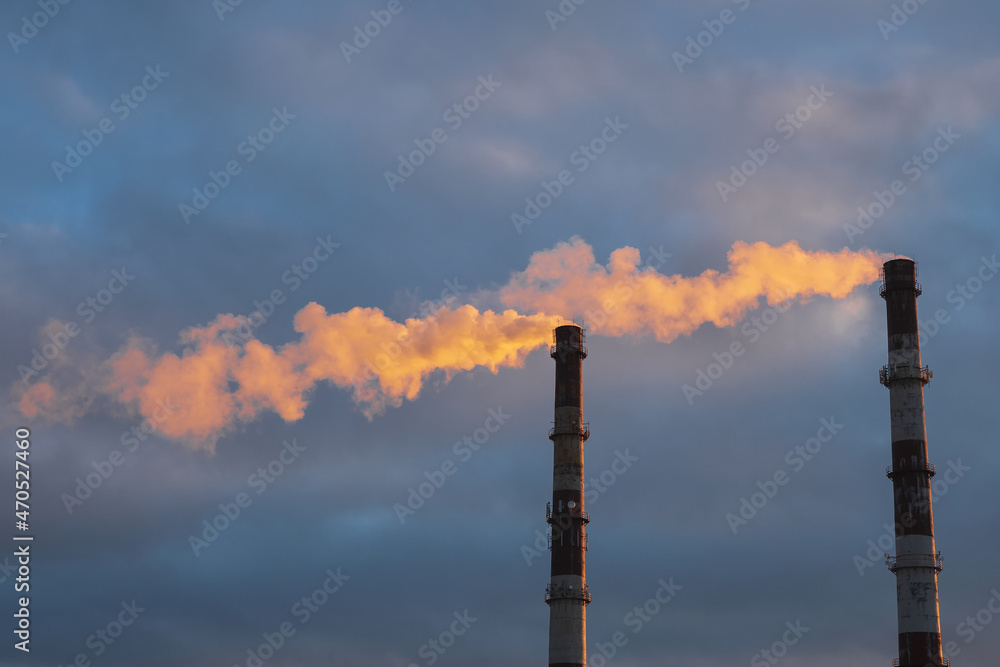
[216, 385]
[623, 299]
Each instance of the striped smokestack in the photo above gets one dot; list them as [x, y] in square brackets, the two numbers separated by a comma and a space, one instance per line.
[567, 594]
[917, 562]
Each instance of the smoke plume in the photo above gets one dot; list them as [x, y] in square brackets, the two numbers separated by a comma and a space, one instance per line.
[216, 385]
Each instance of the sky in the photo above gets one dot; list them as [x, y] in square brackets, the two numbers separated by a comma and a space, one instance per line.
[189, 187]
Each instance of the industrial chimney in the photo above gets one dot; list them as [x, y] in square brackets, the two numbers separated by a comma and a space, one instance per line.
[917, 562]
[567, 594]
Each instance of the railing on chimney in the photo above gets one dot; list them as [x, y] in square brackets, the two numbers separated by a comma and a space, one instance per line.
[930, 470]
[549, 515]
[889, 374]
[564, 592]
[893, 562]
[581, 430]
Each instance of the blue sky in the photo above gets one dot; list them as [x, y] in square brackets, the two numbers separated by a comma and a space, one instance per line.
[344, 122]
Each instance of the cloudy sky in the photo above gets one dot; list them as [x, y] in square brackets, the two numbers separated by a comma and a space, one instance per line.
[167, 164]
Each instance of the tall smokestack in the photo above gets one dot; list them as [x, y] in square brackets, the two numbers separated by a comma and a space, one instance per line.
[567, 594]
[917, 562]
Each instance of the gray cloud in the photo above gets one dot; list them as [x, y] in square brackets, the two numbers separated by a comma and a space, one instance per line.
[324, 175]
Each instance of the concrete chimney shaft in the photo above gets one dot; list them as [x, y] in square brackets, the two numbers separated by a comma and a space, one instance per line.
[567, 594]
[917, 562]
